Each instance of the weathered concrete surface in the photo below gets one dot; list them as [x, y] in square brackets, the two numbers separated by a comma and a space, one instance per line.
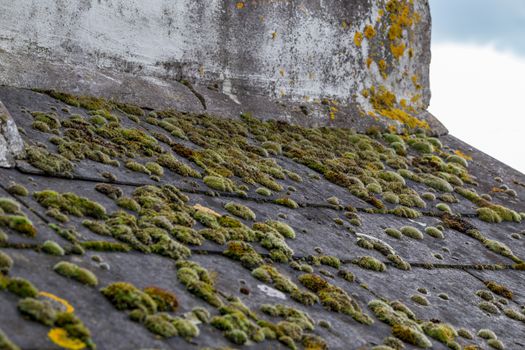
[11, 144]
[241, 56]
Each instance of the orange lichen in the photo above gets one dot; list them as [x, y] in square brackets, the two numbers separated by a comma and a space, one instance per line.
[60, 337]
[240, 5]
[65, 303]
[358, 39]
[415, 81]
[370, 32]
[369, 62]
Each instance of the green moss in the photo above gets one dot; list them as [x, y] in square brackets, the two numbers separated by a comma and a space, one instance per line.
[443, 207]
[370, 263]
[411, 232]
[17, 190]
[436, 183]
[38, 310]
[422, 146]
[240, 210]
[50, 164]
[21, 287]
[457, 160]
[18, 223]
[197, 281]
[272, 147]
[6, 343]
[419, 299]
[434, 232]
[167, 160]
[109, 190]
[57, 215]
[284, 229]
[52, 248]
[287, 202]
[391, 176]
[442, 332]
[104, 246]
[70, 203]
[219, 183]
[488, 215]
[243, 252]
[76, 272]
[137, 167]
[429, 196]
[9, 206]
[263, 191]
[499, 289]
[129, 204]
[391, 197]
[160, 324]
[486, 334]
[410, 336]
[406, 212]
[392, 232]
[463, 333]
[496, 344]
[330, 261]
[488, 307]
[501, 249]
[236, 336]
[125, 296]
[5, 263]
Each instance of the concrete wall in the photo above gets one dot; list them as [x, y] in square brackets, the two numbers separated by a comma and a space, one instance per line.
[239, 55]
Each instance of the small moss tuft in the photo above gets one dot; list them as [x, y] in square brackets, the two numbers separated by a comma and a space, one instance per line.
[370, 263]
[434, 232]
[240, 210]
[17, 190]
[219, 183]
[125, 296]
[287, 202]
[411, 232]
[5, 263]
[76, 272]
[52, 248]
[21, 287]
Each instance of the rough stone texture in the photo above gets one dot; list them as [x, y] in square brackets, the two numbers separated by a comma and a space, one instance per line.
[265, 57]
[11, 144]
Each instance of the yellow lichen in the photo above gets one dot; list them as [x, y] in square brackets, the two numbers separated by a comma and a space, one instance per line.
[369, 61]
[60, 337]
[462, 155]
[240, 5]
[370, 32]
[398, 50]
[358, 39]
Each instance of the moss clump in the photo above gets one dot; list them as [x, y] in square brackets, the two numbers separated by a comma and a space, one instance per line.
[109, 190]
[392, 232]
[125, 296]
[263, 191]
[499, 289]
[284, 229]
[442, 332]
[242, 251]
[428, 196]
[70, 203]
[501, 249]
[486, 334]
[18, 223]
[236, 336]
[165, 300]
[57, 215]
[104, 246]
[330, 261]
[287, 202]
[21, 287]
[129, 204]
[406, 212]
[137, 167]
[334, 298]
[391, 197]
[411, 232]
[6, 343]
[496, 344]
[370, 263]
[17, 190]
[488, 307]
[240, 210]
[463, 333]
[489, 215]
[198, 281]
[390, 176]
[76, 272]
[167, 160]
[5, 263]
[160, 324]
[155, 168]
[50, 164]
[443, 207]
[219, 183]
[52, 248]
[9, 206]
[38, 310]
[419, 299]
[272, 147]
[410, 336]
[434, 232]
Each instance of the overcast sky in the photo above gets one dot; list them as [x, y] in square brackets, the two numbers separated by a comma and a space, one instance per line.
[478, 74]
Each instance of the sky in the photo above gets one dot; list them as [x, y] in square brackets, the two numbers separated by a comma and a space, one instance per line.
[477, 74]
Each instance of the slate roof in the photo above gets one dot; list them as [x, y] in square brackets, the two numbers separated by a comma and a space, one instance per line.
[341, 281]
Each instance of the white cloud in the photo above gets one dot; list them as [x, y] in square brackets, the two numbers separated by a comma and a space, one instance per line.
[478, 92]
